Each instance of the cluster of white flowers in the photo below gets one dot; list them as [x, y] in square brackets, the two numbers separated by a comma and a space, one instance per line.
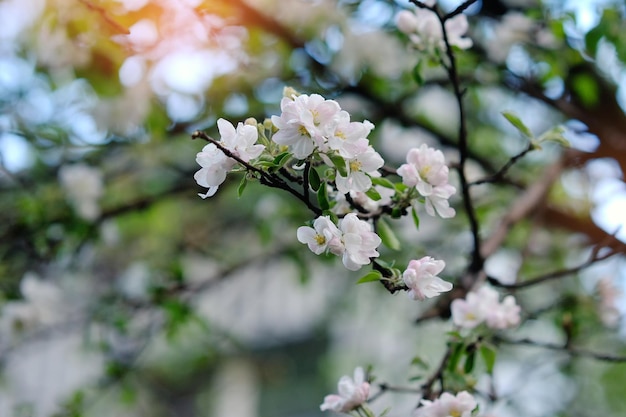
[424, 30]
[353, 240]
[215, 164]
[422, 280]
[352, 392]
[448, 405]
[83, 186]
[483, 306]
[309, 123]
[43, 304]
[426, 170]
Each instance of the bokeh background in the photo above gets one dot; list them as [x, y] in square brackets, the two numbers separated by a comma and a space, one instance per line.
[125, 294]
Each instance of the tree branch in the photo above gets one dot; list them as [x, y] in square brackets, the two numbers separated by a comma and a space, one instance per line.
[579, 352]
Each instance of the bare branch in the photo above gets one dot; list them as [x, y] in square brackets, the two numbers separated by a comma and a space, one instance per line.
[579, 352]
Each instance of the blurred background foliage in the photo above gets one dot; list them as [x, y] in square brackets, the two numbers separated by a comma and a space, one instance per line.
[125, 294]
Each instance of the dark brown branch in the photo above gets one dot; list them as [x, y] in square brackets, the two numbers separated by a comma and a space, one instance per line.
[462, 7]
[477, 259]
[265, 178]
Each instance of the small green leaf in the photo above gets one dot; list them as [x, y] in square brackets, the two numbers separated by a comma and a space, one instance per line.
[322, 197]
[314, 179]
[281, 158]
[488, 354]
[419, 362]
[340, 164]
[518, 124]
[387, 235]
[373, 194]
[554, 135]
[242, 186]
[370, 277]
[385, 412]
[455, 356]
[416, 218]
[417, 74]
[400, 187]
[383, 182]
[469, 361]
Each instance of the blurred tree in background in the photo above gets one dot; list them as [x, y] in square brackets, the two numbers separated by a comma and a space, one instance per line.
[122, 293]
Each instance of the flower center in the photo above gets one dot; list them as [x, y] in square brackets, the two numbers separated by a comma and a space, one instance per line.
[320, 239]
[424, 171]
[355, 165]
[303, 132]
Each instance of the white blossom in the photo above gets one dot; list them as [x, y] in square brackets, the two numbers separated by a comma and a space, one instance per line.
[352, 392]
[448, 405]
[609, 297]
[305, 123]
[323, 236]
[359, 170]
[42, 304]
[483, 306]
[215, 164]
[83, 186]
[359, 240]
[422, 280]
[427, 171]
[423, 28]
[241, 142]
[349, 138]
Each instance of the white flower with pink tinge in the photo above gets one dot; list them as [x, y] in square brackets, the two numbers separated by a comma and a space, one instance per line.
[305, 123]
[483, 306]
[349, 138]
[213, 161]
[422, 280]
[352, 392]
[359, 240]
[359, 170]
[426, 170]
[323, 236]
[448, 405]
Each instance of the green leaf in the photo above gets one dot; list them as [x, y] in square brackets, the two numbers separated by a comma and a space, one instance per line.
[370, 277]
[387, 235]
[385, 412]
[281, 158]
[400, 187]
[417, 74]
[586, 88]
[314, 179]
[469, 361]
[383, 182]
[242, 186]
[518, 124]
[555, 135]
[373, 194]
[488, 354]
[322, 197]
[455, 356]
[419, 362]
[340, 164]
[416, 218]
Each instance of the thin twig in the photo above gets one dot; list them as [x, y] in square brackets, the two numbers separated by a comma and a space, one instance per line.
[499, 176]
[595, 257]
[570, 350]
